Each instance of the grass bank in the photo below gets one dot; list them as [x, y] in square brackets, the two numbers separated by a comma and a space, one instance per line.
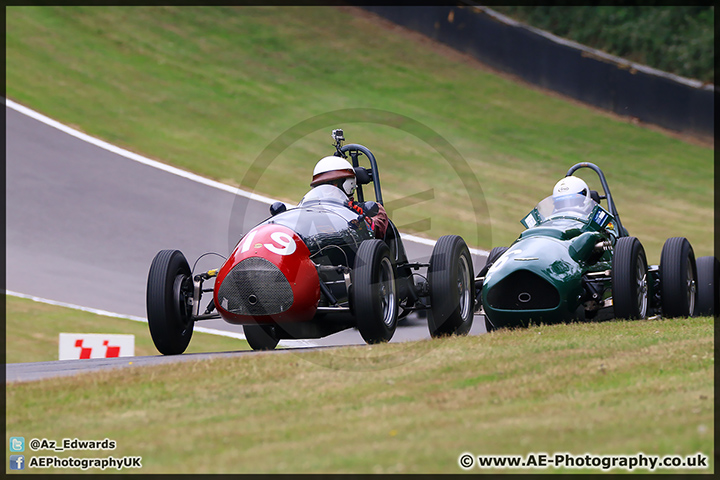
[599, 388]
[209, 88]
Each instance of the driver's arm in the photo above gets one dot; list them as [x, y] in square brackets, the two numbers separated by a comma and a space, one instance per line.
[378, 222]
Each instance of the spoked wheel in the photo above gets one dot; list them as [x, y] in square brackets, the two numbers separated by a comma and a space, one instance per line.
[168, 310]
[261, 337]
[629, 279]
[708, 272]
[678, 278]
[375, 299]
[452, 287]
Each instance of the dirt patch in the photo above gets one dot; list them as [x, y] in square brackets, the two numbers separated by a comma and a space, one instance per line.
[435, 46]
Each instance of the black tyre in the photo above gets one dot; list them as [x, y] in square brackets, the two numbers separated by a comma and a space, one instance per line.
[629, 279]
[494, 254]
[169, 313]
[375, 299]
[261, 337]
[708, 271]
[452, 287]
[678, 278]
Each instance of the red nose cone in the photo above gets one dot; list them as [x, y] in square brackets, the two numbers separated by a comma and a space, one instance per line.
[268, 278]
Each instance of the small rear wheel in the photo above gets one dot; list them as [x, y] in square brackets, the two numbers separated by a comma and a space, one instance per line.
[629, 279]
[489, 327]
[708, 271]
[375, 299]
[494, 254]
[169, 312]
[452, 288]
[261, 337]
[678, 278]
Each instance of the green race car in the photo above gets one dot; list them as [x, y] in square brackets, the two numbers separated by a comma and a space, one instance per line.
[575, 259]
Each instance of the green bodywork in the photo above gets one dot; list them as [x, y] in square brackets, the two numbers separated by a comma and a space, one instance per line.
[542, 277]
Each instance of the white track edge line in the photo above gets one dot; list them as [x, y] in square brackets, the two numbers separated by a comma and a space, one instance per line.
[131, 155]
[175, 171]
[105, 313]
[222, 333]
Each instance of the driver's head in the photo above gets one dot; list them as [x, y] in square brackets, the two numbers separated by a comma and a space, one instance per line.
[334, 171]
[570, 185]
[566, 191]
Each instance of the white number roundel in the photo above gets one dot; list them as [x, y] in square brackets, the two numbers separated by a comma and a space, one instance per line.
[286, 242]
[283, 243]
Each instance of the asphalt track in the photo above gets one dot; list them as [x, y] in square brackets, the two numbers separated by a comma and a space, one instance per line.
[84, 223]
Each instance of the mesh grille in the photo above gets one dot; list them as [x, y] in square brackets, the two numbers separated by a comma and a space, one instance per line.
[523, 290]
[255, 287]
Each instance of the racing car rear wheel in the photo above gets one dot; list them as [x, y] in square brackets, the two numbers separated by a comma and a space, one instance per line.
[452, 286]
[261, 337]
[678, 277]
[629, 279]
[708, 272]
[168, 310]
[375, 299]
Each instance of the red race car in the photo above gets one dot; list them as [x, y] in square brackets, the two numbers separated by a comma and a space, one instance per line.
[314, 270]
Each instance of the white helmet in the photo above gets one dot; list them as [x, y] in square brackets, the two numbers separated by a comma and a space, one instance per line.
[570, 185]
[335, 171]
[571, 193]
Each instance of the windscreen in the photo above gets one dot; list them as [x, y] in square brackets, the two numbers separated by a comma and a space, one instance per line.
[573, 206]
[324, 223]
[324, 194]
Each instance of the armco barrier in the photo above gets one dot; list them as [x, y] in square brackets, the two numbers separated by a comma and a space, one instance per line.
[585, 74]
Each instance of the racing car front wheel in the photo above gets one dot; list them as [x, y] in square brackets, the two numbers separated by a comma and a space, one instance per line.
[452, 286]
[708, 272]
[375, 292]
[629, 279]
[678, 278]
[168, 310]
[261, 337]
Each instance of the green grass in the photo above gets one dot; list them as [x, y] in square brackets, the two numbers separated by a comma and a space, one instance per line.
[209, 88]
[599, 388]
[32, 330]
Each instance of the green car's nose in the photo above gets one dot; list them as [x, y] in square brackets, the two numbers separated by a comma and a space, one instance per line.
[536, 280]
